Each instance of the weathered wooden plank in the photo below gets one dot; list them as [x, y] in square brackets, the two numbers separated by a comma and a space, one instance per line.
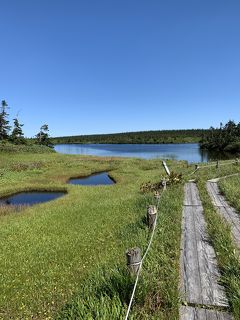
[191, 195]
[191, 313]
[191, 282]
[218, 194]
[212, 292]
[225, 210]
[195, 195]
[199, 271]
[217, 201]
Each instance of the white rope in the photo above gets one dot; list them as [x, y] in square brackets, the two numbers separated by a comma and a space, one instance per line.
[213, 165]
[193, 171]
[224, 177]
[220, 164]
[144, 256]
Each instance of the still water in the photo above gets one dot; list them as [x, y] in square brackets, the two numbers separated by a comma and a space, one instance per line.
[93, 180]
[187, 151]
[30, 198]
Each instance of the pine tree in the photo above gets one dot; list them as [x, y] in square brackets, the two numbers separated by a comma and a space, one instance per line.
[43, 136]
[17, 136]
[224, 138]
[4, 127]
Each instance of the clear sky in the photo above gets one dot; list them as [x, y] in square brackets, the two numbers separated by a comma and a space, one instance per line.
[101, 66]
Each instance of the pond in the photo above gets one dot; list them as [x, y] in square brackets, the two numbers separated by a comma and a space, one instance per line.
[187, 151]
[93, 180]
[30, 198]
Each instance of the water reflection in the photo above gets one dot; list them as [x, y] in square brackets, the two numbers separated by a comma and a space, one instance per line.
[190, 152]
[93, 180]
[30, 198]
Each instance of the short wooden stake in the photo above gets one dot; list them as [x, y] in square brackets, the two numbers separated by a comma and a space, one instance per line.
[151, 216]
[133, 259]
[196, 167]
[164, 184]
[217, 164]
[156, 195]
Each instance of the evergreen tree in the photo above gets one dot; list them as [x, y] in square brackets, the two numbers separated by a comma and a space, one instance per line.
[17, 136]
[4, 127]
[224, 138]
[43, 136]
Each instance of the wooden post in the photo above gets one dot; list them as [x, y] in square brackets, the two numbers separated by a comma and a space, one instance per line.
[196, 167]
[166, 168]
[156, 195]
[151, 216]
[217, 164]
[164, 184]
[133, 259]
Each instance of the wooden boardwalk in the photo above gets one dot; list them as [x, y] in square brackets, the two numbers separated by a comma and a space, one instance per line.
[200, 276]
[225, 210]
[191, 313]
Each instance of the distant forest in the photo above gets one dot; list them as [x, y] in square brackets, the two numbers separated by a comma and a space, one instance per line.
[225, 138]
[161, 136]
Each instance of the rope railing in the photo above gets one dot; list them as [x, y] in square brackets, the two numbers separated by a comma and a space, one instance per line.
[216, 165]
[139, 264]
[144, 256]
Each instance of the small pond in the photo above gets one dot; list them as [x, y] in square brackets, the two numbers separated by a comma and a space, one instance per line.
[30, 198]
[93, 180]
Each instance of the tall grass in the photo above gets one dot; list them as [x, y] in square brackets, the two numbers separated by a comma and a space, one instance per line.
[107, 294]
[66, 259]
[49, 250]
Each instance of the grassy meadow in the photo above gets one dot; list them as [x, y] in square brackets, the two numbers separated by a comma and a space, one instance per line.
[65, 259]
[50, 252]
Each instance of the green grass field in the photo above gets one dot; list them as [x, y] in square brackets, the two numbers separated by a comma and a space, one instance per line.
[65, 259]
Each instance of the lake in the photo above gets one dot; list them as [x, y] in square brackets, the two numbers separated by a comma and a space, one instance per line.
[187, 151]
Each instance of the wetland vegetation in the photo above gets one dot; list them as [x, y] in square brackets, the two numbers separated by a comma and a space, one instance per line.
[65, 259]
[51, 250]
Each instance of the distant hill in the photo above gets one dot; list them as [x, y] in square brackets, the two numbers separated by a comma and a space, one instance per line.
[160, 136]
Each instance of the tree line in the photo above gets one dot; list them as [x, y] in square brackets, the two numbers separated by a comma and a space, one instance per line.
[154, 136]
[225, 138]
[14, 134]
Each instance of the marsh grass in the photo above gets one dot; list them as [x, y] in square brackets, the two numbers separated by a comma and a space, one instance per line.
[107, 294]
[28, 148]
[66, 259]
[231, 190]
[49, 250]
[9, 209]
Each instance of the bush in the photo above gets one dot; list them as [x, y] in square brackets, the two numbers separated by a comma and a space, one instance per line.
[234, 147]
[10, 148]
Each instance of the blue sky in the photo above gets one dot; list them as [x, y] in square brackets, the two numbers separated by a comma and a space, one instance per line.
[114, 66]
